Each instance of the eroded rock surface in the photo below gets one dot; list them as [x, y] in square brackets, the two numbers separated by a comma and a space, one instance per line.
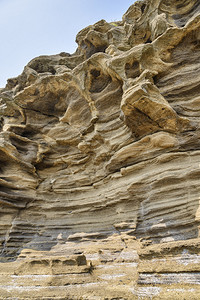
[100, 163]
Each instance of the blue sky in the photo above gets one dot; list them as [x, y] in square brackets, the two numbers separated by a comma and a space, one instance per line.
[29, 28]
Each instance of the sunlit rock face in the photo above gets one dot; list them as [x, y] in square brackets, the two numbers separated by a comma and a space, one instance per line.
[100, 163]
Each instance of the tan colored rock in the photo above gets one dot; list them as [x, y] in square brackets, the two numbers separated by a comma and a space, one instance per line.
[100, 163]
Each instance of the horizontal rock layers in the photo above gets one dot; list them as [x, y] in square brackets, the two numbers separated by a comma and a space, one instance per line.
[100, 163]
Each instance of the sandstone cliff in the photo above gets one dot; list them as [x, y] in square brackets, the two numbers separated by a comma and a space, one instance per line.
[100, 163]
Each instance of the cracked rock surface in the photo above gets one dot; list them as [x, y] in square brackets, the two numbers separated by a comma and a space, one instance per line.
[100, 163]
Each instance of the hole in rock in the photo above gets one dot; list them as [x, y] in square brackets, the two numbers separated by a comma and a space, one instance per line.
[95, 73]
[99, 81]
[143, 7]
[148, 41]
[90, 49]
[132, 70]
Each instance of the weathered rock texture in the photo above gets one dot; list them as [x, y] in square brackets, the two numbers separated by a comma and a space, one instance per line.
[100, 163]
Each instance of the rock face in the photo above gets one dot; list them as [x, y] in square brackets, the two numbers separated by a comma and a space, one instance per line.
[100, 163]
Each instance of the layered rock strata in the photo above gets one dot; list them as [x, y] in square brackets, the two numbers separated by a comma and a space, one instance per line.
[100, 163]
